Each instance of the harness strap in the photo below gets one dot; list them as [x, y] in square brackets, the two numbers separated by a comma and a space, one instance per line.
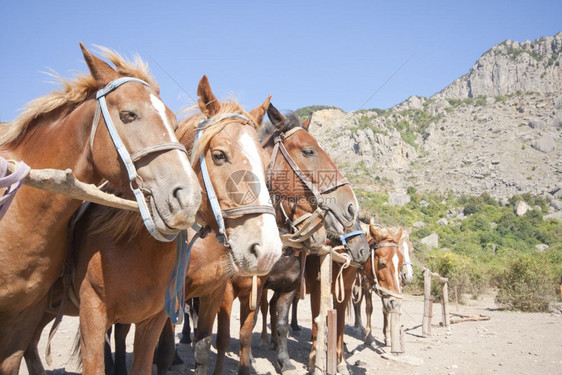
[175, 293]
[247, 210]
[346, 236]
[165, 146]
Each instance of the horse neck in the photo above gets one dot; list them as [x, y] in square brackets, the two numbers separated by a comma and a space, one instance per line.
[60, 141]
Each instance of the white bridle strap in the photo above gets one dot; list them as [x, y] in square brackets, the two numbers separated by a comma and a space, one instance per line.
[134, 178]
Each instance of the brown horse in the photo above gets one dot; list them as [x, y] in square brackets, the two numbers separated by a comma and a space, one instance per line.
[121, 273]
[405, 248]
[286, 272]
[59, 131]
[387, 262]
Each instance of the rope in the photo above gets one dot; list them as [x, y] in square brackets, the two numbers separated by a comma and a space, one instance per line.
[11, 182]
[345, 261]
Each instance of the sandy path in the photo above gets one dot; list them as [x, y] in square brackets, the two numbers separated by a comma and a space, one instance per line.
[509, 343]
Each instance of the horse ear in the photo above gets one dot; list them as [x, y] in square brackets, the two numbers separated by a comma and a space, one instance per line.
[398, 234]
[276, 118]
[372, 221]
[306, 123]
[208, 103]
[259, 112]
[100, 70]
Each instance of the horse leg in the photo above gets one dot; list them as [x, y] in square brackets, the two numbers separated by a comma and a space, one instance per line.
[223, 328]
[264, 304]
[313, 285]
[121, 331]
[208, 308]
[282, 311]
[247, 322]
[17, 331]
[369, 339]
[357, 314]
[186, 330]
[147, 333]
[166, 350]
[107, 354]
[93, 327]
[31, 355]
[294, 321]
[274, 319]
[386, 326]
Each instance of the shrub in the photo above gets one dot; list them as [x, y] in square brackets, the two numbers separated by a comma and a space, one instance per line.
[527, 284]
[455, 267]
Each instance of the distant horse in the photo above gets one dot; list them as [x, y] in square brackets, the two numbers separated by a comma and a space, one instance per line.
[386, 260]
[406, 276]
[286, 272]
[121, 273]
[63, 130]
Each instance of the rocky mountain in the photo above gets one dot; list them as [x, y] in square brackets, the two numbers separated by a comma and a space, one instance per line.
[497, 129]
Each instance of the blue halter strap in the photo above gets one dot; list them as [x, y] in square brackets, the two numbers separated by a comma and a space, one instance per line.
[345, 236]
[128, 161]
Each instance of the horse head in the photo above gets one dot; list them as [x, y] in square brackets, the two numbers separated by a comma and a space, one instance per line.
[305, 181]
[231, 164]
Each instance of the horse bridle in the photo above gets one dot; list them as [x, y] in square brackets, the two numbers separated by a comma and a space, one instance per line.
[379, 290]
[298, 236]
[175, 293]
[135, 181]
[219, 213]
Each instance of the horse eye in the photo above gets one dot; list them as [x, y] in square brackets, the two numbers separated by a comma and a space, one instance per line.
[127, 116]
[219, 157]
[308, 152]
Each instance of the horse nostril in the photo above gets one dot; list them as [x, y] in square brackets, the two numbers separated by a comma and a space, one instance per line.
[180, 197]
[255, 249]
[351, 209]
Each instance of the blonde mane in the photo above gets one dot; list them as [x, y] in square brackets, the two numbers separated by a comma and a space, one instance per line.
[72, 93]
[188, 126]
[119, 224]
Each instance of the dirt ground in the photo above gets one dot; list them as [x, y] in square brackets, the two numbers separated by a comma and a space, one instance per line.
[509, 343]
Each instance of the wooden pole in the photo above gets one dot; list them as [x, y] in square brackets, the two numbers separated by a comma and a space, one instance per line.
[254, 293]
[395, 342]
[426, 301]
[325, 304]
[445, 305]
[64, 182]
[332, 366]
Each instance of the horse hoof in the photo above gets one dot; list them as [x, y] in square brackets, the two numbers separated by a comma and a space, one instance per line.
[369, 339]
[185, 340]
[287, 368]
[342, 368]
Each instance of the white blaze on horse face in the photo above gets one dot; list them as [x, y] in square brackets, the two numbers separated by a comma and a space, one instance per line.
[396, 263]
[409, 274]
[161, 109]
[268, 226]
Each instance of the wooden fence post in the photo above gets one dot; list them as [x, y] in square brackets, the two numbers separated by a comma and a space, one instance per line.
[426, 323]
[325, 304]
[332, 366]
[445, 304]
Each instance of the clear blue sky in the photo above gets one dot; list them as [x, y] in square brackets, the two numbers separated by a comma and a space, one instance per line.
[302, 52]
